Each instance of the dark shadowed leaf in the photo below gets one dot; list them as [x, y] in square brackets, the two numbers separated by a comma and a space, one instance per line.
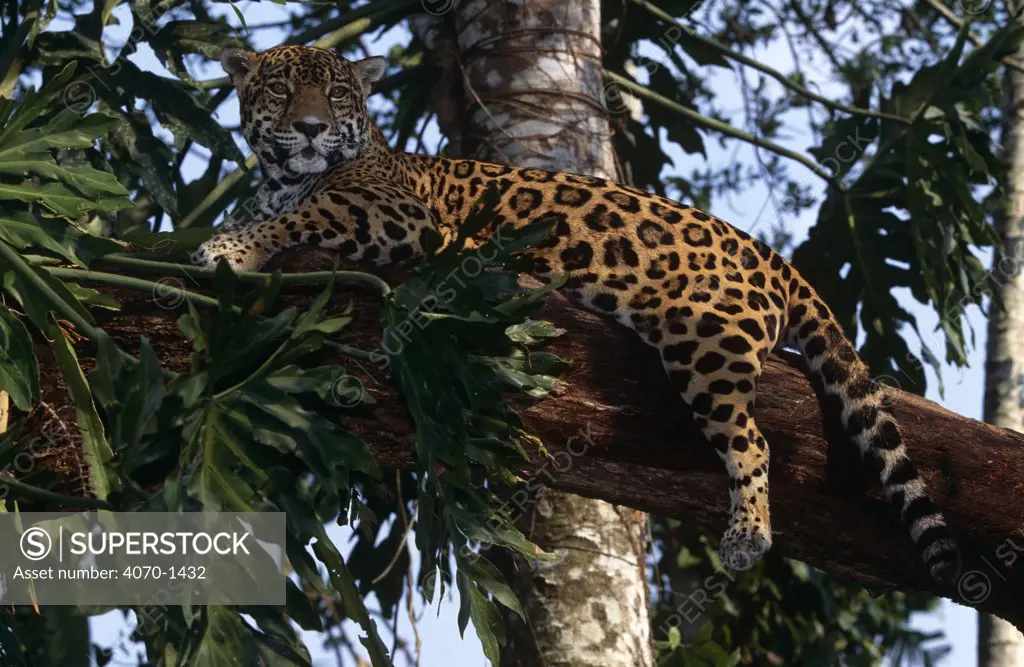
[19, 370]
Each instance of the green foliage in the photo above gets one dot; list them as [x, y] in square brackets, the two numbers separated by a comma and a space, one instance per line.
[455, 337]
[57, 195]
[95, 448]
[911, 217]
[25, 151]
[61, 198]
[33, 646]
[779, 612]
[251, 426]
[19, 370]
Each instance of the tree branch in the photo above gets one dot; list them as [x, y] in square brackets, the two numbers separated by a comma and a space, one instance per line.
[787, 82]
[947, 13]
[720, 126]
[621, 433]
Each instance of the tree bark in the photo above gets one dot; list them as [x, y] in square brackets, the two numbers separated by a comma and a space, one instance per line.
[999, 643]
[620, 433]
[531, 92]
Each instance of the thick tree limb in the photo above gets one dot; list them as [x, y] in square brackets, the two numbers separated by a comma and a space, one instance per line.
[640, 449]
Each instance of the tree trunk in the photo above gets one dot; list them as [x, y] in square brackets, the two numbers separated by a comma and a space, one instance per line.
[531, 88]
[999, 643]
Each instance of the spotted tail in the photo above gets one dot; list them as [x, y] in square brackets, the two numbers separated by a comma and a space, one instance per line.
[870, 425]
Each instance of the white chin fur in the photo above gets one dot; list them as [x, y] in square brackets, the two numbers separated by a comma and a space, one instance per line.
[304, 165]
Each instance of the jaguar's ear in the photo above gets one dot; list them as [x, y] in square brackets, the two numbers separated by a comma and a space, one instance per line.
[369, 71]
[238, 63]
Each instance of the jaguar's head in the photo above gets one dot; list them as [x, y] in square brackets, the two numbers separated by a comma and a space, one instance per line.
[303, 108]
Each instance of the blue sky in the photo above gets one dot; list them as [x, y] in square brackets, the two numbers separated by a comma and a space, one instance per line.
[756, 211]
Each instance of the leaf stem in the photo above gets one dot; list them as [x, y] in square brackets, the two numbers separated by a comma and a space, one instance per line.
[132, 283]
[140, 284]
[26, 271]
[311, 278]
[28, 491]
[349, 351]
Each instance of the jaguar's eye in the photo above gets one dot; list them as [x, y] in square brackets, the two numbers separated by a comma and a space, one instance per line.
[338, 92]
[278, 88]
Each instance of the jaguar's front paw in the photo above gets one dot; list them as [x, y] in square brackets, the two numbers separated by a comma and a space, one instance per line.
[238, 256]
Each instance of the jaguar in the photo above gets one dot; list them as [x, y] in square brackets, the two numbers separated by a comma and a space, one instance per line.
[713, 301]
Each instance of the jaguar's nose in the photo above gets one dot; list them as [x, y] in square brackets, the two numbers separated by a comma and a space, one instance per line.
[308, 128]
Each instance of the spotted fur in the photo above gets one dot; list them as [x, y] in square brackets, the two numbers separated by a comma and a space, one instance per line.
[714, 301]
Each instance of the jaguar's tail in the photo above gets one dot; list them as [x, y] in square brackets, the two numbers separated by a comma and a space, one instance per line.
[868, 422]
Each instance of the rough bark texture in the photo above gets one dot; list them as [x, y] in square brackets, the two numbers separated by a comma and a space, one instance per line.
[533, 84]
[620, 433]
[999, 643]
[531, 90]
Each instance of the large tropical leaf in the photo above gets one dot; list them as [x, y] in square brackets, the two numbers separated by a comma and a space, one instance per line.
[19, 370]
